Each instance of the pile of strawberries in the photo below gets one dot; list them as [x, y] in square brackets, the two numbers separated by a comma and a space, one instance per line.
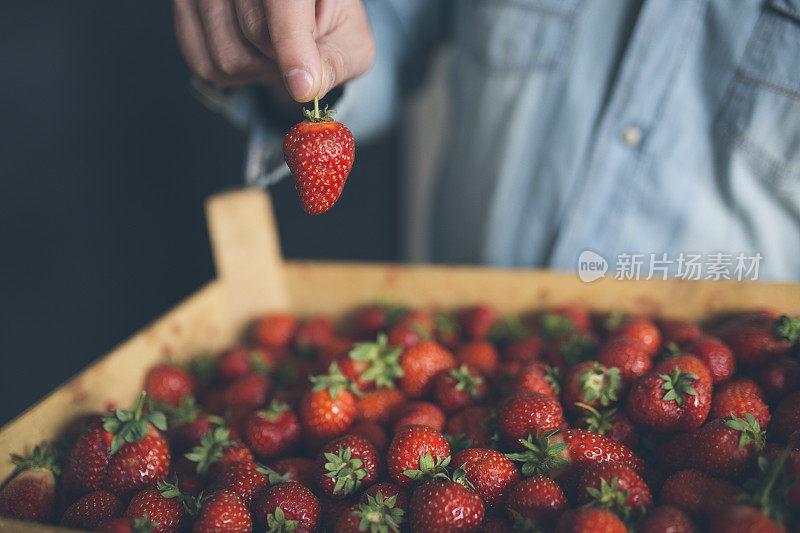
[407, 420]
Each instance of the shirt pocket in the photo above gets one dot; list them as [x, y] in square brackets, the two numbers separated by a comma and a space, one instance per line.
[517, 36]
[761, 116]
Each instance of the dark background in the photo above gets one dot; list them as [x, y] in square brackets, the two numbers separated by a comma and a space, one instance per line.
[105, 160]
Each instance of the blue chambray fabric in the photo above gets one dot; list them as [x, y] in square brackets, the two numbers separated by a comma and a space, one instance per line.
[618, 126]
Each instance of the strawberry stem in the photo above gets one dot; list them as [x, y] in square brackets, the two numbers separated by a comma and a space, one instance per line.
[316, 108]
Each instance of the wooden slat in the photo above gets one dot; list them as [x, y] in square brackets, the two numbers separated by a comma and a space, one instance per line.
[247, 253]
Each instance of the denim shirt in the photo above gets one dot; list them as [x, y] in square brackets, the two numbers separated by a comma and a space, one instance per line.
[617, 126]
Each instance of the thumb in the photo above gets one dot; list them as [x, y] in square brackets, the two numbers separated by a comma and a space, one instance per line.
[291, 28]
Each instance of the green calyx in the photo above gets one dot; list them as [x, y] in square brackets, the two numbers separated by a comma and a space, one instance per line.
[169, 489]
[524, 523]
[553, 326]
[143, 524]
[466, 381]
[539, 455]
[457, 442]
[316, 115]
[579, 348]
[273, 477]
[508, 329]
[598, 421]
[615, 320]
[334, 382]
[768, 489]
[43, 456]
[379, 515]
[383, 360]
[275, 409]
[211, 449]
[446, 325]
[277, 522]
[203, 367]
[552, 375]
[608, 496]
[750, 431]
[258, 364]
[677, 385]
[672, 350]
[600, 384]
[127, 426]
[347, 471]
[787, 329]
[429, 468]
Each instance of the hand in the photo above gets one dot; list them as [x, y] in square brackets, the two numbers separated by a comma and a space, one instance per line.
[310, 46]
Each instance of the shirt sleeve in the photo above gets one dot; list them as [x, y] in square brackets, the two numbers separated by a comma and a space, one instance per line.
[404, 32]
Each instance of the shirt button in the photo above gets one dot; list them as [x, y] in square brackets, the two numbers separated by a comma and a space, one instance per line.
[632, 136]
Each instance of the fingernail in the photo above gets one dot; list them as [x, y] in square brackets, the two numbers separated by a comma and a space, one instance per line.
[299, 82]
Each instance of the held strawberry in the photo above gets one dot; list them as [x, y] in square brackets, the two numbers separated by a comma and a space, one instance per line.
[319, 152]
[30, 493]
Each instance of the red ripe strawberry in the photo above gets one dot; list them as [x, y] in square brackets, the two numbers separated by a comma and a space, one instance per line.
[685, 363]
[458, 388]
[169, 383]
[627, 354]
[524, 350]
[288, 507]
[333, 350]
[443, 507]
[275, 331]
[187, 424]
[667, 519]
[373, 364]
[577, 316]
[420, 364]
[414, 327]
[473, 424]
[245, 478]
[786, 418]
[388, 490]
[572, 450]
[528, 413]
[479, 355]
[732, 401]
[300, 469]
[669, 402]
[87, 461]
[273, 431]
[419, 414]
[91, 510]
[163, 504]
[679, 332]
[697, 493]
[216, 451]
[727, 447]
[249, 392]
[373, 433]
[328, 409]
[755, 344]
[245, 360]
[715, 354]
[741, 386]
[535, 503]
[370, 320]
[319, 152]
[477, 321]
[416, 452]
[123, 453]
[641, 329]
[128, 525]
[223, 512]
[30, 492]
[346, 464]
[590, 520]
[592, 384]
[377, 406]
[744, 518]
[535, 377]
[314, 333]
[491, 474]
[614, 487]
[779, 377]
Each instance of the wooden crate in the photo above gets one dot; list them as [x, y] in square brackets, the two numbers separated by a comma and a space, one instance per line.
[253, 279]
